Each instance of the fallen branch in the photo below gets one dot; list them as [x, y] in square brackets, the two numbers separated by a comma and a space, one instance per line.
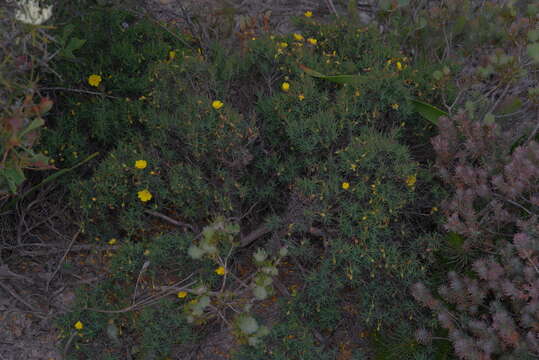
[171, 220]
[62, 259]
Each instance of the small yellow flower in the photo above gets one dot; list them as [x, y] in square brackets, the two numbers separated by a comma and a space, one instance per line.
[308, 14]
[298, 37]
[283, 44]
[182, 294]
[94, 80]
[220, 270]
[312, 41]
[285, 86]
[357, 93]
[141, 164]
[172, 55]
[411, 180]
[217, 104]
[301, 97]
[395, 106]
[144, 195]
[399, 65]
[112, 241]
[79, 325]
[345, 185]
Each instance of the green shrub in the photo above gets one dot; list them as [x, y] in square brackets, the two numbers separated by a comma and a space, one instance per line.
[309, 161]
[118, 47]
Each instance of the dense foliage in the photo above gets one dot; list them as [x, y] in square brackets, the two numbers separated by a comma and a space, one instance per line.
[297, 196]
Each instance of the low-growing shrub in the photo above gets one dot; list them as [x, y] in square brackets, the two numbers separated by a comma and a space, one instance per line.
[491, 310]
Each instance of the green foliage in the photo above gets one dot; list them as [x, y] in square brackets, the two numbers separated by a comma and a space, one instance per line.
[288, 340]
[315, 160]
[161, 327]
[117, 46]
[23, 59]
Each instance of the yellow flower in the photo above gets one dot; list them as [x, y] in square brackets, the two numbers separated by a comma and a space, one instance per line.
[217, 104]
[94, 80]
[301, 97]
[308, 14]
[345, 185]
[395, 106]
[172, 55]
[141, 164]
[220, 270]
[79, 325]
[144, 195]
[182, 294]
[283, 44]
[285, 86]
[411, 180]
[312, 41]
[298, 37]
[112, 241]
[399, 66]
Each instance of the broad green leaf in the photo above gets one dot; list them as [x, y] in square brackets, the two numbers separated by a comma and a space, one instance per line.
[50, 178]
[36, 123]
[248, 324]
[339, 79]
[14, 176]
[38, 161]
[533, 51]
[428, 111]
[455, 240]
[73, 45]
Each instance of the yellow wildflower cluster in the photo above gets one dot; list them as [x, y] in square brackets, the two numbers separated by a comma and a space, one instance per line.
[285, 86]
[144, 195]
[400, 63]
[94, 80]
[217, 104]
[141, 164]
[411, 180]
[220, 270]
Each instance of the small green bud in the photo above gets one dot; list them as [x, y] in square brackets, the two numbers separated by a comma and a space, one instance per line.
[260, 255]
[195, 252]
[260, 292]
[248, 325]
